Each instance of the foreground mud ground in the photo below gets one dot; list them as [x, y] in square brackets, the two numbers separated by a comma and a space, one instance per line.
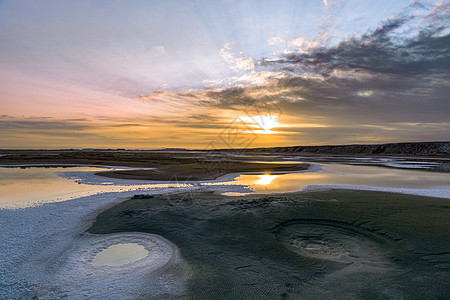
[316, 245]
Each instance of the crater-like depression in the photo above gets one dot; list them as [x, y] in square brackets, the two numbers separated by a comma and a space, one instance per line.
[128, 264]
[334, 242]
[96, 254]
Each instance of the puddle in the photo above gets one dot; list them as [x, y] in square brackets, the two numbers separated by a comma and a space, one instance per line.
[119, 254]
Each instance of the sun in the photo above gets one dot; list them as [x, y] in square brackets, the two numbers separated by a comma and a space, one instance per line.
[262, 123]
[267, 122]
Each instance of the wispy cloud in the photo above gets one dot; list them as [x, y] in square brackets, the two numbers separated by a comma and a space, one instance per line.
[8, 123]
[237, 61]
[439, 11]
[275, 40]
[160, 49]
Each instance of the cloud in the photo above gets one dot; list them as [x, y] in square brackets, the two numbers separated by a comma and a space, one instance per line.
[303, 44]
[105, 132]
[439, 11]
[42, 123]
[160, 49]
[380, 51]
[388, 84]
[275, 40]
[44, 132]
[327, 3]
[366, 93]
[252, 78]
[378, 77]
[393, 76]
[237, 62]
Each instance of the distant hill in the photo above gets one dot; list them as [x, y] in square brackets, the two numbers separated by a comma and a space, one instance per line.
[420, 148]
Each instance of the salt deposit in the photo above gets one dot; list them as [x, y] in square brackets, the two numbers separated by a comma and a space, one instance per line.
[44, 255]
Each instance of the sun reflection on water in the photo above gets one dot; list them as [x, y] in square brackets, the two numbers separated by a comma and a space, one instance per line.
[344, 175]
[265, 179]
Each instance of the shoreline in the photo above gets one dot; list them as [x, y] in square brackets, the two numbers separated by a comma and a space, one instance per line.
[197, 165]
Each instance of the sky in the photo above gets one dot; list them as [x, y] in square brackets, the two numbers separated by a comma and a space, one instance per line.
[222, 74]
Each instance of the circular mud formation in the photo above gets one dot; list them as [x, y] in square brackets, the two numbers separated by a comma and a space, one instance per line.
[126, 265]
[121, 252]
[349, 261]
[335, 242]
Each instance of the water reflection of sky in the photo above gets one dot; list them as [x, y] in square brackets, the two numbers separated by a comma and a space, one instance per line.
[31, 186]
[335, 174]
[23, 187]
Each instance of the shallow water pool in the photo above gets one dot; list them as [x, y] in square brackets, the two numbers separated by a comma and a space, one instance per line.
[30, 186]
[345, 176]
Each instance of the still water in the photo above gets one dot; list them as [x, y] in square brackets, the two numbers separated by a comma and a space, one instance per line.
[346, 175]
[119, 254]
[23, 187]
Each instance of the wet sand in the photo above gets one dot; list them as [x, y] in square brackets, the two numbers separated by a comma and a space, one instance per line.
[310, 245]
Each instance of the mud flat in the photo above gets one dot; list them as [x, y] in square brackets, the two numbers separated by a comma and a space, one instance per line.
[311, 245]
[160, 166]
[202, 170]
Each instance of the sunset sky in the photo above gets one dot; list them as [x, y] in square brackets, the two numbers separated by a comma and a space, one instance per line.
[214, 74]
